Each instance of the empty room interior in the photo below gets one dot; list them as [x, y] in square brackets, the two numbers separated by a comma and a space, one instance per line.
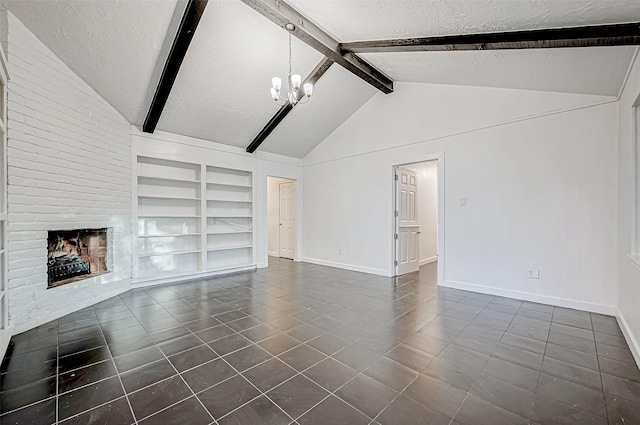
[301, 212]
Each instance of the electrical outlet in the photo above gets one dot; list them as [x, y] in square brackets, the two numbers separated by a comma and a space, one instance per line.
[533, 273]
[340, 251]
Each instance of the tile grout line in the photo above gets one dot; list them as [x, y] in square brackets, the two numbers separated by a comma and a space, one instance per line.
[261, 393]
[133, 414]
[604, 396]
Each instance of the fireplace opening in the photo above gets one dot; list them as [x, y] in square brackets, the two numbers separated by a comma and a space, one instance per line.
[76, 255]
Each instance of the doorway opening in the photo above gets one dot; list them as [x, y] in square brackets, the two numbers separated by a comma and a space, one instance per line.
[281, 217]
[417, 215]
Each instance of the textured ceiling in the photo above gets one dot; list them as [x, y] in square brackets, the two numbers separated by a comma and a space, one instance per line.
[112, 45]
[597, 71]
[337, 95]
[352, 20]
[222, 90]
[593, 70]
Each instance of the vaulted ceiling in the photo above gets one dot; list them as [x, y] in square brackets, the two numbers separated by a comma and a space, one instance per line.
[221, 92]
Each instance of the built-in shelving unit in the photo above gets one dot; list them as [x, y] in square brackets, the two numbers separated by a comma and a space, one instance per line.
[229, 227]
[169, 217]
[192, 218]
[5, 328]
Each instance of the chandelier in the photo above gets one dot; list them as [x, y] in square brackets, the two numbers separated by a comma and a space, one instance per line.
[294, 96]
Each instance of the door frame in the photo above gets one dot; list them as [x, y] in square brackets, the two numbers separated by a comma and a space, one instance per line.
[295, 219]
[264, 217]
[439, 158]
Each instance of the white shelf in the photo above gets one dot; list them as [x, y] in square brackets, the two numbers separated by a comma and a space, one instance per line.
[228, 248]
[168, 216]
[168, 235]
[167, 179]
[230, 232]
[159, 254]
[246, 186]
[226, 200]
[229, 266]
[173, 198]
[230, 216]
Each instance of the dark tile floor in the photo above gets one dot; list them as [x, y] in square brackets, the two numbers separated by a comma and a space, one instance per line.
[306, 344]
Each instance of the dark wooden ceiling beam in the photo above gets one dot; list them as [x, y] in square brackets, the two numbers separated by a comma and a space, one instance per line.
[588, 36]
[190, 20]
[281, 13]
[284, 110]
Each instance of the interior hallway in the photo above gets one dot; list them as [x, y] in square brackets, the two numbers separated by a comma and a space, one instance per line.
[306, 344]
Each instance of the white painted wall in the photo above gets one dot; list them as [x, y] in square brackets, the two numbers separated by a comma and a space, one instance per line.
[628, 269]
[69, 167]
[427, 178]
[262, 164]
[273, 214]
[538, 171]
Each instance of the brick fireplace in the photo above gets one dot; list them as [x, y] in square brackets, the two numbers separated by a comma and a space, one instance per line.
[75, 255]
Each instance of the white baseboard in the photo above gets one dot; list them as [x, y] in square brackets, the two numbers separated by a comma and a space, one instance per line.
[536, 298]
[272, 253]
[628, 335]
[193, 276]
[428, 260]
[352, 267]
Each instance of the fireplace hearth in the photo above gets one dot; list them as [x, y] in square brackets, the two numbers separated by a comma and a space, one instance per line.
[75, 255]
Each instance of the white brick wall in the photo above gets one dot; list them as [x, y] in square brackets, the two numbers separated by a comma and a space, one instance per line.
[69, 157]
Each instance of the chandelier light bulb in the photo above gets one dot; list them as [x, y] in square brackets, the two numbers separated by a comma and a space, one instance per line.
[308, 89]
[276, 83]
[274, 94]
[296, 80]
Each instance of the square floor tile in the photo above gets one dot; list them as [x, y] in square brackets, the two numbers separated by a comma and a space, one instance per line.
[390, 373]
[192, 358]
[407, 412]
[188, 411]
[158, 396]
[297, 395]
[228, 396]
[547, 411]
[333, 411]
[88, 397]
[208, 374]
[116, 412]
[259, 411]
[330, 374]
[269, 374]
[367, 395]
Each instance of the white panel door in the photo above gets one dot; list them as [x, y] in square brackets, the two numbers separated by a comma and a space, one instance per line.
[287, 219]
[407, 227]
